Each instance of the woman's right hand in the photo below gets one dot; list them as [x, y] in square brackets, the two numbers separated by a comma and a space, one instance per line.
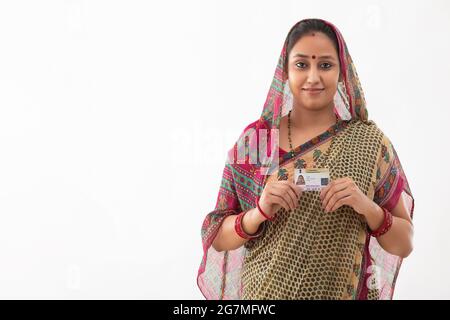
[279, 194]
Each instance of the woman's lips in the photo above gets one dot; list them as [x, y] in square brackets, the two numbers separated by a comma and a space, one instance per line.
[313, 91]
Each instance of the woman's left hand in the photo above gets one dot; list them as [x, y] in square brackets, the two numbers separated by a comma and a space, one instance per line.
[344, 191]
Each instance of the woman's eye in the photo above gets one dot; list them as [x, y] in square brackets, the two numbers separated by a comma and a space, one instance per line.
[302, 65]
[324, 65]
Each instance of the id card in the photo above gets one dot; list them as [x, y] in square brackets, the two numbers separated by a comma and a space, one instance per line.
[312, 179]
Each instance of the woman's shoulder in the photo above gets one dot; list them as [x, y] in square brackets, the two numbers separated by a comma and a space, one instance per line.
[248, 131]
[252, 127]
[257, 124]
[367, 126]
[371, 130]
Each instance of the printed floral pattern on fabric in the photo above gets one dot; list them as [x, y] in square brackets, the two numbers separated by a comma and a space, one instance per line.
[211, 283]
[389, 182]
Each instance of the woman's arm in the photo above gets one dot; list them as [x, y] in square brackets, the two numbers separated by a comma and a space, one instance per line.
[399, 239]
[228, 239]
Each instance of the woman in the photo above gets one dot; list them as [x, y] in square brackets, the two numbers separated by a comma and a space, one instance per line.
[269, 238]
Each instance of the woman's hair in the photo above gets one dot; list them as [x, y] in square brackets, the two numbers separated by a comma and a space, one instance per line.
[305, 27]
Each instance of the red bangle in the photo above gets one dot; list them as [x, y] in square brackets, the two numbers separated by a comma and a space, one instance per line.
[262, 212]
[385, 226]
[240, 231]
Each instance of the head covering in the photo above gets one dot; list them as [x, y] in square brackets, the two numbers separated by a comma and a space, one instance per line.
[219, 275]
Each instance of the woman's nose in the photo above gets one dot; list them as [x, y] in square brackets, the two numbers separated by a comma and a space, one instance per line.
[313, 76]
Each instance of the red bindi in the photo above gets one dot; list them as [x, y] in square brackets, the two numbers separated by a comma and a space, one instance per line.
[313, 57]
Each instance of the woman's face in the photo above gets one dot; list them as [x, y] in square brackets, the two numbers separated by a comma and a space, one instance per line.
[313, 63]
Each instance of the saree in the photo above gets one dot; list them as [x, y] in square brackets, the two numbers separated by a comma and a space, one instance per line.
[306, 253]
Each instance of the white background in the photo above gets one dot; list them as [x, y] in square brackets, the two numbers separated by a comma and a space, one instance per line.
[115, 119]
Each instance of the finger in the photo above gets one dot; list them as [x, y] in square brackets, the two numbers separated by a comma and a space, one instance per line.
[296, 188]
[331, 191]
[282, 192]
[325, 190]
[335, 198]
[292, 196]
[288, 194]
[279, 200]
[340, 203]
[340, 180]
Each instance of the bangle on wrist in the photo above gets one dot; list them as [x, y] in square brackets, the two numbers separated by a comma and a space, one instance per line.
[385, 226]
[262, 212]
[240, 230]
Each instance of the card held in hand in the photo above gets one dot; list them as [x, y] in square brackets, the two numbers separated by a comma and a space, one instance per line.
[313, 179]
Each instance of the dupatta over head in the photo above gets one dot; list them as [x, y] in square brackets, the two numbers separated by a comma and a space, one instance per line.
[243, 180]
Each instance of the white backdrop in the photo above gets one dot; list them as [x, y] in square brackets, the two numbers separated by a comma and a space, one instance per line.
[115, 119]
